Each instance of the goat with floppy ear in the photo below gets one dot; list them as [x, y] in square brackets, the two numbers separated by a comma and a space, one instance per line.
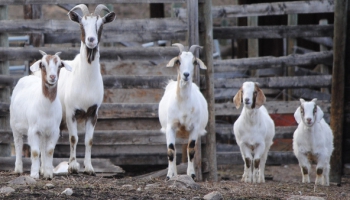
[312, 141]
[254, 130]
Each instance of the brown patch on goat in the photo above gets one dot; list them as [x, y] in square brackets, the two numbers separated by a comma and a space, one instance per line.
[171, 152]
[319, 171]
[248, 162]
[50, 152]
[72, 159]
[237, 99]
[72, 140]
[91, 114]
[305, 171]
[49, 91]
[35, 154]
[258, 97]
[181, 131]
[256, 163]
[311, 157]
[82, 35]
[90, 142]
[302, 110]
[191, 150]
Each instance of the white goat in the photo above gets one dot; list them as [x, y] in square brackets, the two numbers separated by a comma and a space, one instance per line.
[312, 141]
[183, 110]
[254, 131]
[36, 111]
[81, 92]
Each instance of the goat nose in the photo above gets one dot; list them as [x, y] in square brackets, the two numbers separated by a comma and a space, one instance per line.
[91, 39]
[246, 100]
[308, 119]
[52, 77]
[186, 74]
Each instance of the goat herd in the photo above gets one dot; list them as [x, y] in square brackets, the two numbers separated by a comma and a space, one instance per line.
[37, 111]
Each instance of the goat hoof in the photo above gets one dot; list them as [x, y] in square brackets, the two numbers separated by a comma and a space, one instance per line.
[193, 176]
[90, 173]
[167, 178]
[73, 171]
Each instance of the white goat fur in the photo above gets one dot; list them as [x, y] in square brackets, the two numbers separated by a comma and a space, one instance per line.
[313, 139]
[183, 110]
[254, 131]
[36, 111]
[81, 92]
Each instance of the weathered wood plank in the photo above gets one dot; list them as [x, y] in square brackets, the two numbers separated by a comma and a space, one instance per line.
[274, 158]
[279, 82]
[325, 57]
[107, 53]
[23, 2]
[263, 9]
[100, 165]
[115, 137]
[108, 111]
[273, 31]
[135, 95]
[128, 124]
[306, 93]
[64, 31]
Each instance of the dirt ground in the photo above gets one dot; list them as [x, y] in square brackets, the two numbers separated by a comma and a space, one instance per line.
[282, 182]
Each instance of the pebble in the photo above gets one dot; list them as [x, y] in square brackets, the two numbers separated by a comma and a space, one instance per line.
[67, 192]
[6, 190]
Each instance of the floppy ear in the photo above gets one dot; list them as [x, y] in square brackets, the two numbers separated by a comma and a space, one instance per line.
[75, 17]
[109, 17]
[297, 115]
[201, 64]
[237, 99]
[319, 114]
[66, 65]
[260, 98]
[36, 66]
[172, 62]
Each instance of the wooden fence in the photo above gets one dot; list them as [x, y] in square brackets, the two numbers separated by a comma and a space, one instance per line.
[127, 131]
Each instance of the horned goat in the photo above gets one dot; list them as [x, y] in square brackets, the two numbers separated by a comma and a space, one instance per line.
[183, 110]
[81, 92]
[36, 111]
[254, 131]
[312, 141]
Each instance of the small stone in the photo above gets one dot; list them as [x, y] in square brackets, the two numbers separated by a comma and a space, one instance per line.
[139, 189]
[343, 194]
[23, 180]
[151, 186]
[213, 196]
[67, 192]
[49, 186]
[183, 182]
[127, 187]
[6, 190]
[297, 197]
[286, 166]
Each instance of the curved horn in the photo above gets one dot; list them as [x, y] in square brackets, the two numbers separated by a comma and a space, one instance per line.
[99, 8]
[42, 53]
[83, 8]
[181, 47]
[194, 47]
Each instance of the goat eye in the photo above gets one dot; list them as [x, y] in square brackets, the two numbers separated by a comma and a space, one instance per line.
[195, 63]
[178, 62]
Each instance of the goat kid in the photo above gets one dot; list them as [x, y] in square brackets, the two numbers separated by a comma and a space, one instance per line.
[36, 111]
[81, 92]
[312, 141]
[183, 110]
[254, 131]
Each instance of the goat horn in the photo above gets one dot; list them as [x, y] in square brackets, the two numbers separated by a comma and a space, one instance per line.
[58, 53]
[99, 8]
[42, 53]
[83, 8]
[194, 47]
[181, 47]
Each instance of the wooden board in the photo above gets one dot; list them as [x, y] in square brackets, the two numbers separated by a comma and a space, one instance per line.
[100, 165]
[135, 95]
[21, 2]
[128, 124]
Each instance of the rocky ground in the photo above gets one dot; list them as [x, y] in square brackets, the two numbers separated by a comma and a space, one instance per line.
[283, 182]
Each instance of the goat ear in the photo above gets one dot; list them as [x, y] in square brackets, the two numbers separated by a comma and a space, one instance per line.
[172, 62]
[319, 114]
[66, 65]
[201, 64]
[109, 17]
[260, 98]
[75, 17]
[297, 115]
[237, 99]
[302, 100]
[36, 66]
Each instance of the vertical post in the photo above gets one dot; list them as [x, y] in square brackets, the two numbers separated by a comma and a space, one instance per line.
[193, 38]
[34, 12]
[291, 42]
[5, 149]
[337, 103]
[206, 38]
[324, 68]
[253, 44]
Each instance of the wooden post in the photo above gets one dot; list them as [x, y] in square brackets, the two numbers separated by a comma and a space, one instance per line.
[291, 42]
[5, 149]
[253, 44]
[193, 38]
[206, 38]
[34, 12]
[337, 103]
[324, 68]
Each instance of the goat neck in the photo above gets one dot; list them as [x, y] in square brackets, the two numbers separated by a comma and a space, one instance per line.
[88, 70]
[252, 116]
[183, 89]
[49, 91]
